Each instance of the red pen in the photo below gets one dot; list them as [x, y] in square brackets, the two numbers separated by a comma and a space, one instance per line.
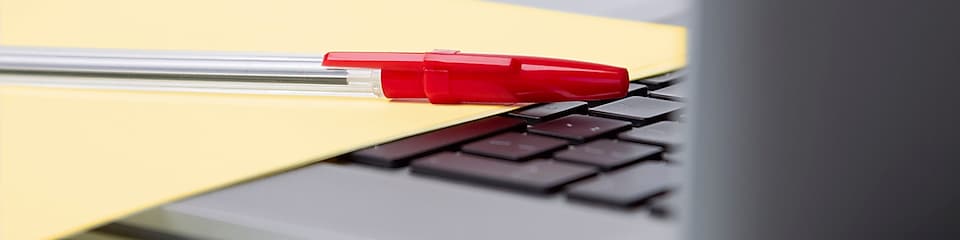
[440, 76]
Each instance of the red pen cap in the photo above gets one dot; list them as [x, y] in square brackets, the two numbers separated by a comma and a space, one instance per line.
[454, 77]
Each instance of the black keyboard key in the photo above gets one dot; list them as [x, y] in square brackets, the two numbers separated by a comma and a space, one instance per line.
[630, 186]
[608, 154]
[638, 109]
[663, 80]
[578, 127]
[666, 133]
[676, 92]
[514, 146]
[636, 89]
[549, 110]
[537, 176]
[399, 153]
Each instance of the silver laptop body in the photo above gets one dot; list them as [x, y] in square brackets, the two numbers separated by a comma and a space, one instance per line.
[809, 120]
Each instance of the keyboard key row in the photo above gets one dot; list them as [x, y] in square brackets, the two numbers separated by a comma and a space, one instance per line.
[627, 187]
[639, 110]
[537, 176]
[607, 154]
[630, 186]
[549, 110]
[514, 146]
[398, 153]
[578, 127]
[521, 146]
[665, 133]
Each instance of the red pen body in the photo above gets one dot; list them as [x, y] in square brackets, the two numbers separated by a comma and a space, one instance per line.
[454, 77]
[440, 76]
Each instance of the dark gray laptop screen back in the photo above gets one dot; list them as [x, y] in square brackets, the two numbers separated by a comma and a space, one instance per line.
[824, 120]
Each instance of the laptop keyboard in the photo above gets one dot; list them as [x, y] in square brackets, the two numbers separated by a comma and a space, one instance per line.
[616, 153]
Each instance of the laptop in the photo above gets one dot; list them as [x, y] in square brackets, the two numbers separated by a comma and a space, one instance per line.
[795, 120]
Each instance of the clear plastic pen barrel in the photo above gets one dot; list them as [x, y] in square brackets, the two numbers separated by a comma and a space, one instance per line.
[183, 71]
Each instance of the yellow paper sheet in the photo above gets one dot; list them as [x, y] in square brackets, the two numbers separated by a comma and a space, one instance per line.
[71, 159]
